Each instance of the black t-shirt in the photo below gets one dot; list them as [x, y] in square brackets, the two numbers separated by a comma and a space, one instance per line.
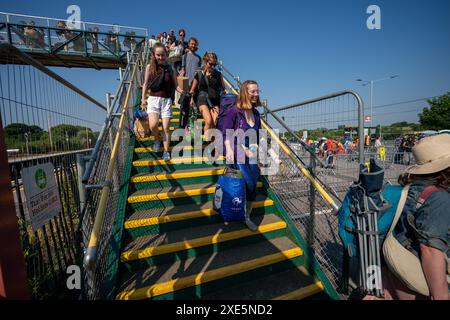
[215, 84]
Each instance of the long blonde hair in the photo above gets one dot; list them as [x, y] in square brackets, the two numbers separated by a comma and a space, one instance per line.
[243, 100]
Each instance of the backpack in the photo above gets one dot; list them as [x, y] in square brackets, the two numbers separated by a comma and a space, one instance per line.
[227, 101]
[364, 220]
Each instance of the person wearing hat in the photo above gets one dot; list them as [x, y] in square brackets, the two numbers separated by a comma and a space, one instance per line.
[423, 227]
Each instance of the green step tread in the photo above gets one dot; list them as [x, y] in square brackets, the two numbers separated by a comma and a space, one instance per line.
[172, 210]
[190, 234]
[270, 287]
[170, 272]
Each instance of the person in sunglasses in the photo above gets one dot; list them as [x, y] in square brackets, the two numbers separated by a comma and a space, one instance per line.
[206, 89]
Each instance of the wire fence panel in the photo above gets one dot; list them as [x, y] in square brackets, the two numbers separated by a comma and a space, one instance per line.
[42, 116]
[45, 121]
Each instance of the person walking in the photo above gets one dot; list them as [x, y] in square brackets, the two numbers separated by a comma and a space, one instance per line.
[423, 227]
[245, 116]
[161, 81]
[206, 89]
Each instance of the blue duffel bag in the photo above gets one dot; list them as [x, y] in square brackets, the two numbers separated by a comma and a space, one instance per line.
[229, 196]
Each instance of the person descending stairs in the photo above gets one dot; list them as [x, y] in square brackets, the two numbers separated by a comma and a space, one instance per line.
[175, 246]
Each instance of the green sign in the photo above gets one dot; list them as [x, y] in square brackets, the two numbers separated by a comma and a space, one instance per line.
[41, 178]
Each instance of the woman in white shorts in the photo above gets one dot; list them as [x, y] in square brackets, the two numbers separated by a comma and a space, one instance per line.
[161, 81]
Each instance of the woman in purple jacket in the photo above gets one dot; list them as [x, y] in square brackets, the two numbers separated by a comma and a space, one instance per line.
[241, 146]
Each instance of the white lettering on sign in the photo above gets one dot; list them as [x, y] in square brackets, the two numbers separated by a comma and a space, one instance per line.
[41, 193]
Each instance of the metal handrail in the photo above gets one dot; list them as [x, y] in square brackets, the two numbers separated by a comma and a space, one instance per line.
[295, 159]
[7, 14]
[8, 49]
[91, 251]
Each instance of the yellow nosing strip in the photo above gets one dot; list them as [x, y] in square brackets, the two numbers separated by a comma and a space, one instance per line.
[133, 255]
[180, 175]
[178, 120]
[180, 160]
[175, 194]
[303, 292]
[184, 216]
[150, 149]
[151, 138]
[208, 276]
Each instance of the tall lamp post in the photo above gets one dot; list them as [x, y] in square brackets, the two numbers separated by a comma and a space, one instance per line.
[366, 82]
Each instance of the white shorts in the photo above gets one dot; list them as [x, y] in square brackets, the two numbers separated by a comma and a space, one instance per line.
[160, 105]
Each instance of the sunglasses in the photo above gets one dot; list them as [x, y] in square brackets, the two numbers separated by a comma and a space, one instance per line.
[212, 64]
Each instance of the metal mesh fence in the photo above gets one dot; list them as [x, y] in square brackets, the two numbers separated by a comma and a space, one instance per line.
[44, 122]
[95, 279]
[41, 115]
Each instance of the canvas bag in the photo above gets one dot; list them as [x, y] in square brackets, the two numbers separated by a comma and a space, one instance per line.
[401, 262]
[141, 125]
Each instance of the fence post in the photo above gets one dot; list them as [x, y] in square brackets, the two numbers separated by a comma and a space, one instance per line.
[81, 166]
[312, 203]
[13, 277]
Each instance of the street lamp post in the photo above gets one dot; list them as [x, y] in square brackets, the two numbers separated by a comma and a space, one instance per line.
[366, 82]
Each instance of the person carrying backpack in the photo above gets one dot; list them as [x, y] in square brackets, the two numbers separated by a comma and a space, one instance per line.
[417, 247]
[207, 87]
[161, 81]
[244, 116]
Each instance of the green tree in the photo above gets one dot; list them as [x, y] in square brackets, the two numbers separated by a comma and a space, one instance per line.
[437, 116]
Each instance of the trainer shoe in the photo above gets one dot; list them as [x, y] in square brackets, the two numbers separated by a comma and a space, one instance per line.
[166, 156]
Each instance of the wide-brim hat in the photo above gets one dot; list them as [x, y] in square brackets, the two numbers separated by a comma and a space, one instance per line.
[432, 154]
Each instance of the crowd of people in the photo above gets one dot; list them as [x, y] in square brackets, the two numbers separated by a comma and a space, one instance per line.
[66, 39]
[205, 90]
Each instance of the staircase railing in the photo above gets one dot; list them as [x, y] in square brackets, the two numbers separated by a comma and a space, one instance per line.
[307, 195]
[104, 181]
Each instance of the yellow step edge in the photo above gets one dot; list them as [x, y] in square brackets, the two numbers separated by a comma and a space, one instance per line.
[302, 292]
[150, 149]
[179, 175]
[208, 276]
[133, 255]
[175, 194]
[185, 216]
[178, 160]
[170, 128]
[178, 120]
[151, 138]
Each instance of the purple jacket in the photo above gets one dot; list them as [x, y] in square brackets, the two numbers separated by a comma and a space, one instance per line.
[235, 119]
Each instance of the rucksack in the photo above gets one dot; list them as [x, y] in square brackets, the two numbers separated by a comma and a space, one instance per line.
[227, 102]
[366, 201]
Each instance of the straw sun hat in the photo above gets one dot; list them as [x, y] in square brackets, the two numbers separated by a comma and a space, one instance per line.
[432, 155]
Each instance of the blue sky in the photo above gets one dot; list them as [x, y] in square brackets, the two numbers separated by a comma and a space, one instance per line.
[295, 49]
